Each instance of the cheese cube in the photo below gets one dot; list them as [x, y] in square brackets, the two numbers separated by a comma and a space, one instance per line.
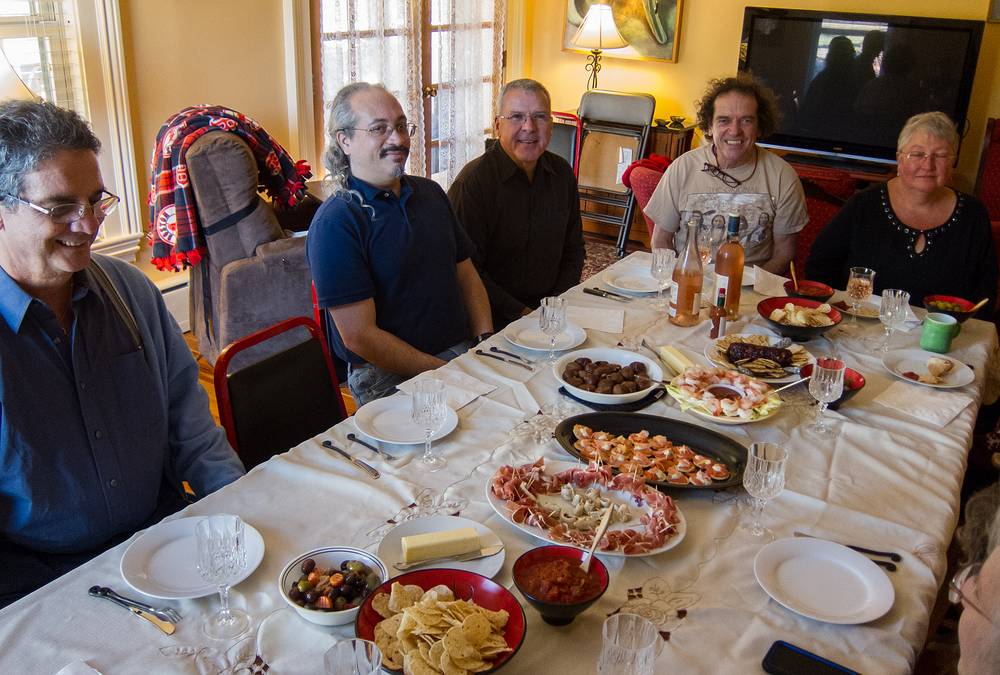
[417, 547]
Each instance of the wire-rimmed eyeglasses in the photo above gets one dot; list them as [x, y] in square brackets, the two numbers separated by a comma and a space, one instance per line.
[936, 158]
[383, 130]
[519, 118]
[957, 596]
[64, 214]
[716, 172]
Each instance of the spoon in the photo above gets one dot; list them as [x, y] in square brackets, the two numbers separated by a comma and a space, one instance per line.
[978, 305]
[790, 384]
[605, 521]
[795, 282]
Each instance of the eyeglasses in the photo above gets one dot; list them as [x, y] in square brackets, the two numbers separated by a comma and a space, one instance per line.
[64, 214]
[937, 158]
[383, 130]
[519, 118]
[957, 596]
[716, 172]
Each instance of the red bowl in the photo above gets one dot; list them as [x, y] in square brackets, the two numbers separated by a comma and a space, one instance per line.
[853, 383]
[961, 314]
[559, 613]
[768, 305]
[467, 586]
[812, 290]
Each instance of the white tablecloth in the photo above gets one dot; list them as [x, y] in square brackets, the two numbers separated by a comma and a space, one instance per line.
[886, 480]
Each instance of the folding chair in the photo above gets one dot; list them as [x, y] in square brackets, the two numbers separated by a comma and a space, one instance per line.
[276, 403]
[615, 133]
[566, 133]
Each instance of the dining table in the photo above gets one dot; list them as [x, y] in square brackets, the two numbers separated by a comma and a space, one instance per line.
[888, 478]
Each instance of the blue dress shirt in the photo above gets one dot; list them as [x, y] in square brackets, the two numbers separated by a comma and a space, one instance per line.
[91, 425]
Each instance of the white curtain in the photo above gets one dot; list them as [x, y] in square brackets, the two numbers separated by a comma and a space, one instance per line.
[382, 41]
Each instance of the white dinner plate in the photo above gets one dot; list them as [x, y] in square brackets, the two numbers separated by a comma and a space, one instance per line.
[823, 580]
[915, 361]
[716, 359]
[618, 496]
[631, 280]
[390, 550]
[525, 333]
[161, 562]
[866, 310]
[388, 420]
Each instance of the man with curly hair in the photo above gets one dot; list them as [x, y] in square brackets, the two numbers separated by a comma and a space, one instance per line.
[731, 174]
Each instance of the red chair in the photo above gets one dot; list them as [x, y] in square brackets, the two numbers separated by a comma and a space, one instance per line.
[278, 402]
[988, 178]
[826, 190]
[643, 181]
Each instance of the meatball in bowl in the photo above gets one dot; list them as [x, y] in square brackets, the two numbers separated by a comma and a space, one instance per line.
[606, 375]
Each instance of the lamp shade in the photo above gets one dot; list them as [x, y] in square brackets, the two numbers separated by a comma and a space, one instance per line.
[11, 84]
[598, 30]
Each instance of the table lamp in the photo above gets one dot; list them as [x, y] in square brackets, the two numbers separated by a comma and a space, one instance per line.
[598, 31]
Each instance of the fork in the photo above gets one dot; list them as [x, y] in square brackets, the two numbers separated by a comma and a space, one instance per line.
[497, 350]
[377, 450]
[164, 613]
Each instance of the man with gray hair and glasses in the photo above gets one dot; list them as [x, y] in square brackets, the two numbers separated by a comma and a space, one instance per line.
[102, 417]
[976, 585]
[389, 261]
[520, 205]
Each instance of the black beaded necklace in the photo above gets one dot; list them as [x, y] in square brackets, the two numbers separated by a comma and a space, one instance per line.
[912, 234]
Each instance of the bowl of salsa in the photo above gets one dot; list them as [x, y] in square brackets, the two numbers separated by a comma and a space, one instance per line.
[551, 580]
[814, 290]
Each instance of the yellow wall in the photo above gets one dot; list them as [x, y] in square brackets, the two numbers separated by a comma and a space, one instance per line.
[709, 46]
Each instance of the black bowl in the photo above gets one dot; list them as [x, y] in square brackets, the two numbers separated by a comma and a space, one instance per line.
[813, 290]
[558, 613]
[798, 333]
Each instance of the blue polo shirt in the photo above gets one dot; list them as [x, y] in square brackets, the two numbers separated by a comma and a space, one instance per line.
[401, 252]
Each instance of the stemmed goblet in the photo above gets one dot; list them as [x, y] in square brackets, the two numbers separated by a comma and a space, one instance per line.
[859, 288]
[222, 557]
[552, 321]
[826, 385]
[353, 657]
[764, 479]
[892, 313]
[428, 412]
[661, 268]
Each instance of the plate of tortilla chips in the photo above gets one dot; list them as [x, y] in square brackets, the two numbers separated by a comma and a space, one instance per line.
[442, 621]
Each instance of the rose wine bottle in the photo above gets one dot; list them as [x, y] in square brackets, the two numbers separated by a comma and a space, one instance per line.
[686, 308]
[729, 267]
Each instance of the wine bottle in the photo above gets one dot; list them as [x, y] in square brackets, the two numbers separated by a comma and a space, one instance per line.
[686, 308]
[718, 316]
[729, 267]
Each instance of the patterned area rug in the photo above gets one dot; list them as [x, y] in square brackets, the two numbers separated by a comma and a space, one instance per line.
[600, 256]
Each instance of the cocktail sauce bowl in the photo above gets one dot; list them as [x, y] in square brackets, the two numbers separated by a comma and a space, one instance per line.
[558, 613]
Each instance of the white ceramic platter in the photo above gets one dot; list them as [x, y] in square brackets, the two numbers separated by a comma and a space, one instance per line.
[718, 359]
[390, 550]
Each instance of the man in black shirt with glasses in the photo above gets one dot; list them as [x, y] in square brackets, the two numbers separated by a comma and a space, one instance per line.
[519, 205]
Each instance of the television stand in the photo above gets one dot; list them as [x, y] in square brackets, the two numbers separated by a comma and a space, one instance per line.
[862, 171]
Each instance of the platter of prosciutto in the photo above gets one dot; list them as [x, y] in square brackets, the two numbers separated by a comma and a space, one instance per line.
[563, 502]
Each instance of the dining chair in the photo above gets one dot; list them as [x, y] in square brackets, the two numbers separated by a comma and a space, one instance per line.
[988, 177]
[825, 190]
[616, 130]
[643, 181]
[281, 400]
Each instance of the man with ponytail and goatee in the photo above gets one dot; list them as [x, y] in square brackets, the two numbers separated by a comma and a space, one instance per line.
[389, 260]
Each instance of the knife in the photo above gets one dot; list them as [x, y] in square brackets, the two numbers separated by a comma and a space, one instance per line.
[505, 360]
[164, 626]
[377, 450]
[891, 555]
[485, 552]
[356, 462]
[606, 294]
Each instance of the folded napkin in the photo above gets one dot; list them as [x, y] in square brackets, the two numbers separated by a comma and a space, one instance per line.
[767, 283]
[459, 388]
[604, 320]
[77, 668]
[937, 406]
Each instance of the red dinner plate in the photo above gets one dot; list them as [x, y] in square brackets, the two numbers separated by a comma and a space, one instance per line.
[467, 586]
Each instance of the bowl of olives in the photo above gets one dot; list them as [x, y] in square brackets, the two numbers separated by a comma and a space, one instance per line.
[606, 375]
[326, 586]
[960, 308]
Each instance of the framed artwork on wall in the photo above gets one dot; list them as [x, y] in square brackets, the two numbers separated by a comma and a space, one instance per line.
[651, 27]
[994, 15]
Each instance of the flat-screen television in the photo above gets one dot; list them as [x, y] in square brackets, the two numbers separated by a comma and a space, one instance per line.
[846, 83]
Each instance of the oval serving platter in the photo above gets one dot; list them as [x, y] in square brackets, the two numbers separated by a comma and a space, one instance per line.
[702, 441]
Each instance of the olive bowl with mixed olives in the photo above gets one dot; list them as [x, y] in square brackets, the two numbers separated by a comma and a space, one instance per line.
[326, 586]
[607, 375]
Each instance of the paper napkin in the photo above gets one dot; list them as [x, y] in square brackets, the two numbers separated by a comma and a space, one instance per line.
[605, 320]
[459, 388]
[937, 406]
[78, 668]
[766, 283]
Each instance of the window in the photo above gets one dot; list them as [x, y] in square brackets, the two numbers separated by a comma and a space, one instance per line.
[441, 58]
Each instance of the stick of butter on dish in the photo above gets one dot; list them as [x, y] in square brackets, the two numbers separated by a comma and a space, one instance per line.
[674, 359]
[417, 547]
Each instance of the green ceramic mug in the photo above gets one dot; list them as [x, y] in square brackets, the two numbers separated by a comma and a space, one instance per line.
[938, 332]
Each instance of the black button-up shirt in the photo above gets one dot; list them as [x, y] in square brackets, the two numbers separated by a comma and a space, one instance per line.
[528, 234]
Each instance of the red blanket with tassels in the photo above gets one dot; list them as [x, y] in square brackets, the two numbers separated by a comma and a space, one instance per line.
[173, 218]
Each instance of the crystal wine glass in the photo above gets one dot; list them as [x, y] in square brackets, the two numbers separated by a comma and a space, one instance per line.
[826, 385]
[859, 288]
[661, 268]
[705, 242]
[428, 412]
[353, 657]
[222, 557]
[764, 479]
[552, 321]
[892, 313]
